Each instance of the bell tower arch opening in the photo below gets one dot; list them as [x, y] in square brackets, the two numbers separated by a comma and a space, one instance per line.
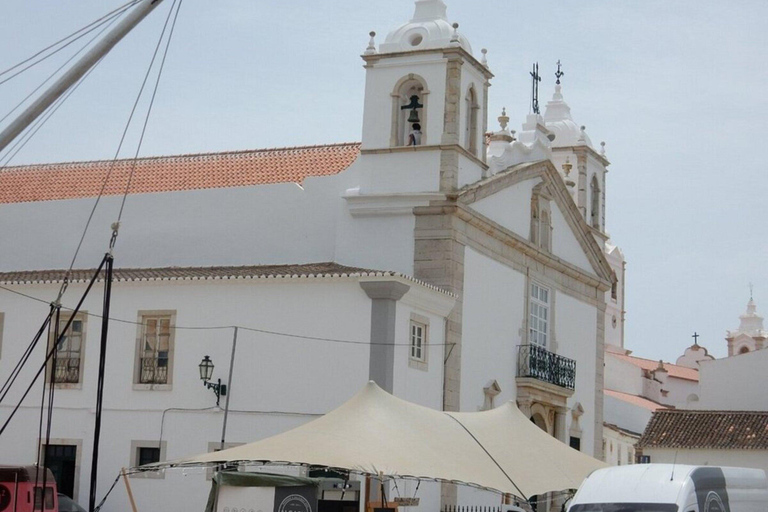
[409, 112]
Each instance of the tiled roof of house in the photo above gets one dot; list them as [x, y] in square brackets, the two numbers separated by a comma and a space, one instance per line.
[638, 401]
[323, 270]
[679, 372]
[720, 430]
[47, 182]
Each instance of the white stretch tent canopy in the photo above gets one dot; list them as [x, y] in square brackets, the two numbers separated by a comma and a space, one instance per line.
[375, 432]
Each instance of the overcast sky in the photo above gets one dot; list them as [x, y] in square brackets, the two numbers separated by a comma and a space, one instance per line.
[676, 89]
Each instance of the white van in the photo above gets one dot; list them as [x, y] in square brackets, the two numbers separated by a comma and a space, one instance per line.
[672, 488]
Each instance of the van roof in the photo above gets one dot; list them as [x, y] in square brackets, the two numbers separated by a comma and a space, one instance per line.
[654, 483]
[24, 474]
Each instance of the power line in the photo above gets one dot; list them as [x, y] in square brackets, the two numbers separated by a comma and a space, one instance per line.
[95, 24]
[223, 327]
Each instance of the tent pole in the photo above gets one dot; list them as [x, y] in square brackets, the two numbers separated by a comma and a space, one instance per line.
[229, 389]
[128, 490]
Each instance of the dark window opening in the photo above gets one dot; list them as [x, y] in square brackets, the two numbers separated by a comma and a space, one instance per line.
[575, 443]
[148, 455]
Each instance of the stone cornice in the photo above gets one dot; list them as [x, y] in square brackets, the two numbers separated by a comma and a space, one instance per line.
[561, 196]
[427, 147]
[511, 239]
[586, 150]
[451, 51]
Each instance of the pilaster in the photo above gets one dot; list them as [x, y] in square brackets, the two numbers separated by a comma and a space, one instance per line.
[599, 382]
[581, 164]
[449, 158]
[384, 296]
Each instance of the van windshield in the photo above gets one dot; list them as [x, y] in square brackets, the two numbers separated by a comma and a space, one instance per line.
[623, 507]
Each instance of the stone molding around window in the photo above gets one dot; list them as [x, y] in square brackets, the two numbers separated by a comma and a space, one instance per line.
[82, 317]
[413, 361]
[142, 316]
[406, 86]
[135, 445]
[541, 217]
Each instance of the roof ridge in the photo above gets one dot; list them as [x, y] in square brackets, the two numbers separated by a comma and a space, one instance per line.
[93, 163]
[656, 361]
[713, 411]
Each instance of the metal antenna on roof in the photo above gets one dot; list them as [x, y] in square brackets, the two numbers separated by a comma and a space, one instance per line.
[674, 461]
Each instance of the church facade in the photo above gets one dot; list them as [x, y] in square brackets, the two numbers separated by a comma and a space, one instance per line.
[455, 267]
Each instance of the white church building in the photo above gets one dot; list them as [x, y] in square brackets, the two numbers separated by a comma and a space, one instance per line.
[457, 269]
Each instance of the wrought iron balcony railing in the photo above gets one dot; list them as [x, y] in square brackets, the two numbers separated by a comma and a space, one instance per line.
[67, 370]
[154, 370]
[539, 363]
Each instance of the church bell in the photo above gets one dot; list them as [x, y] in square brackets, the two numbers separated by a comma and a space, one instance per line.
[413, 117]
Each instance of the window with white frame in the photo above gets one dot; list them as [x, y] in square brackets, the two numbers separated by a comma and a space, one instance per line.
[539, 320]
[155, 348]
[68, 365]
[418, 350]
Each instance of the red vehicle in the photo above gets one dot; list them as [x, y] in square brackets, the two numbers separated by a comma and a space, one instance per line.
[21, 489]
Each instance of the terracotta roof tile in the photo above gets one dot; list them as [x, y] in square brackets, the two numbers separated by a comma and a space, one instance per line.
[323, 270]
[720, 430]
[169, 273]
[679, 372]
[639, 401]
[47, 182]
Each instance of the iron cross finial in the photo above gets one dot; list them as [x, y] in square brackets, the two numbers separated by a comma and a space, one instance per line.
[535, 79]
[559, 73]
[695, 338]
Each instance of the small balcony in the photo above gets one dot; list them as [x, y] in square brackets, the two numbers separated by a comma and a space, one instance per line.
[539, 363]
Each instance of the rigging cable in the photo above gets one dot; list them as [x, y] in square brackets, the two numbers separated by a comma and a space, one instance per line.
[53, 349]
[95, 24]
[109, 24]
[42, 403]
[17, 369]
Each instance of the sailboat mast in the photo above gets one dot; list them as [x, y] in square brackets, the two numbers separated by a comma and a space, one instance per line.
[76, 72]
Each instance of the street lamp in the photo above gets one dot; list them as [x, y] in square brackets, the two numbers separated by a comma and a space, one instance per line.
[206, 372]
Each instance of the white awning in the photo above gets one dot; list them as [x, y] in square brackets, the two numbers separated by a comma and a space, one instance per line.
[377, 433]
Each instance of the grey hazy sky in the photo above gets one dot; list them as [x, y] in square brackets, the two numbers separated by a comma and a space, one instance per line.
[675, 88]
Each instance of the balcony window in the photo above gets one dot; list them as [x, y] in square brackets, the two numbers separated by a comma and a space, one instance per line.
[538, 306]
[539, 363]
[154, 358]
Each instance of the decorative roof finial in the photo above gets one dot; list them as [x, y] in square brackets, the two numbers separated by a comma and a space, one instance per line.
[695, 339]
[455, 36]
[484, 60]
[567, 166]
[371, 44]
[558, 73]
[750, 291]
[503, 118]
[602, 148]
[583, 135]
[535, 79]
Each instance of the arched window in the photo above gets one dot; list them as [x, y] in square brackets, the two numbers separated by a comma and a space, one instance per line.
[470, 128]
[595, 209]
[743, 350]
[409, 112]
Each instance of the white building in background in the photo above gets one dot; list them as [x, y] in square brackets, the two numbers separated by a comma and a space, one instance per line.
[750, 335]
[478, 276]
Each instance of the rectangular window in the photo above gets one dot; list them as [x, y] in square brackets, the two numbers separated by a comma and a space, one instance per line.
[418, 341]
[155, 350]
[575, 443]
[70, 350]
[539, 315]
[147, 455]
[147, 452]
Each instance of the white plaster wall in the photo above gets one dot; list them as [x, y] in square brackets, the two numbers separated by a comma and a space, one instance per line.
[619, 448]
[494, 305]
[229, 226]
[622, 376]
[625, 415]
[564, 242]
[380, 81]
[407, 170]
[732, 458]
[576, 331]
[510, 207]
[469, 171]
[679, 391]
[736, 383]
[420, 386]
[279, 382]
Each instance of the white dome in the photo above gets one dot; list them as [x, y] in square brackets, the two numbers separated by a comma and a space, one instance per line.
[558, 120]
[429, 28]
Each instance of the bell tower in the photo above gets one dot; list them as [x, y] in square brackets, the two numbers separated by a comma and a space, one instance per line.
[425, 107]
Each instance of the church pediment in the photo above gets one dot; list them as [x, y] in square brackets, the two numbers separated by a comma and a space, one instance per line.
[531, 200]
